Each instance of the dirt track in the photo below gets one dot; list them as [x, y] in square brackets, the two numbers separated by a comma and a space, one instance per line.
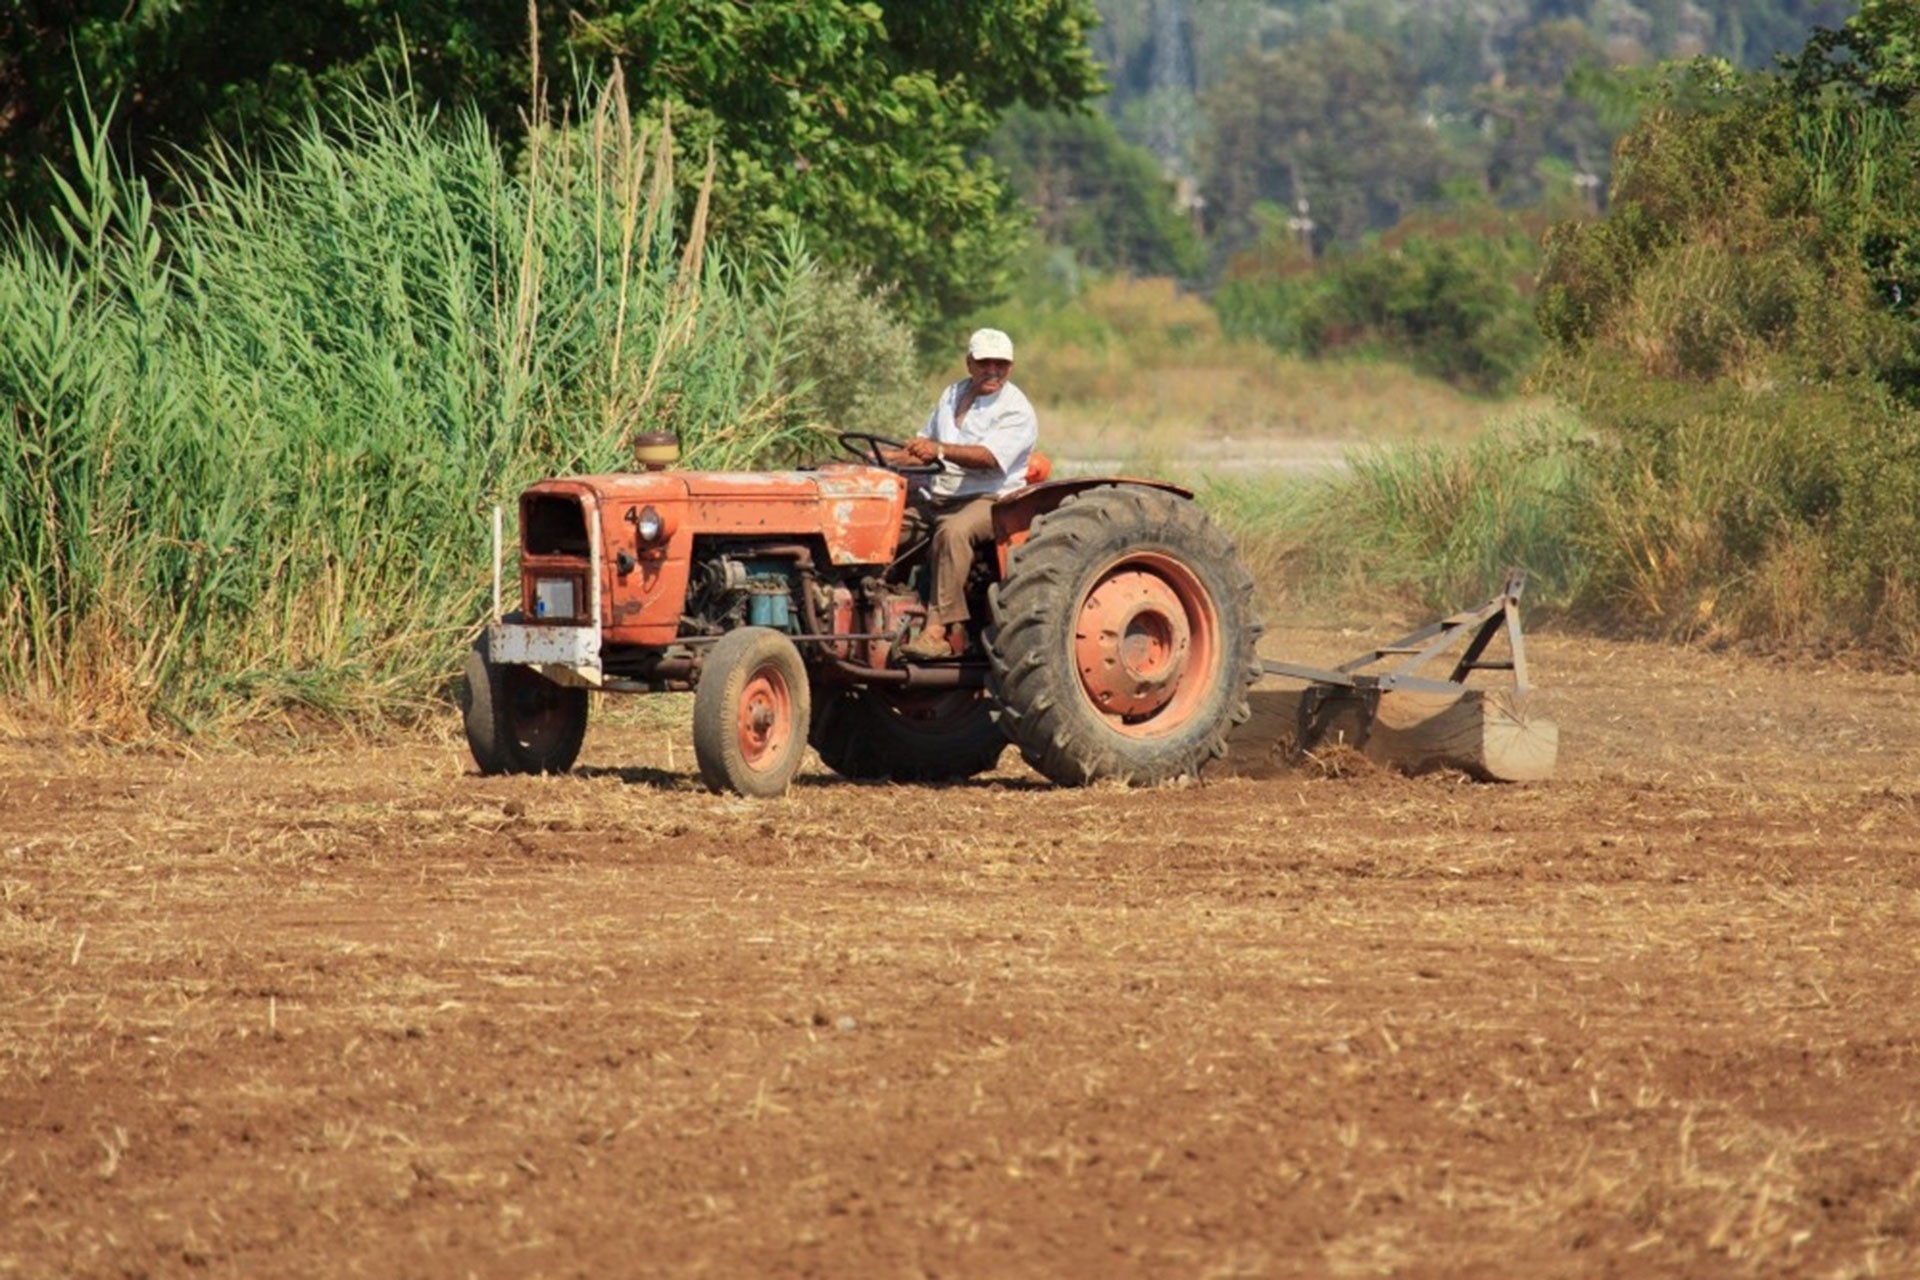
[364, 1013]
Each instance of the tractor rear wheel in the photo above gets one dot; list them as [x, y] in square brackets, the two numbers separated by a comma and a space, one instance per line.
[750, 713]
[1122, 645]
[907, 736]
[517, 720]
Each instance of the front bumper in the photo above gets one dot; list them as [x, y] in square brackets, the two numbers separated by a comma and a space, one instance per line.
[564, 655]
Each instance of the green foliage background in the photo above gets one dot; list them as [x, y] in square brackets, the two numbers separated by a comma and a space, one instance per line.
[1737, 339]
[1373, 178]
[1449, 297]
[1740, 331]
[1090, 192]
[260, 394]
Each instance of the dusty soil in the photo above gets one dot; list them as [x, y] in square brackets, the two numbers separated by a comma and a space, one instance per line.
[358, 1011]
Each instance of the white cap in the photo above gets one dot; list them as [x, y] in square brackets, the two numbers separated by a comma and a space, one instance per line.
[989, 344]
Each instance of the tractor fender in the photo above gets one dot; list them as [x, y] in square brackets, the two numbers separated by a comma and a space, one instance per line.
[1014, 514]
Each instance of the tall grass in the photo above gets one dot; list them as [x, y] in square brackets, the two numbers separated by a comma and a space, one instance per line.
[252, 437]
[1434, 526]
[1847, 145]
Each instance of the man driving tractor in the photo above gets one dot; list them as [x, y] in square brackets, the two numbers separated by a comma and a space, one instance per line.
[980, 434]
[1121, 644]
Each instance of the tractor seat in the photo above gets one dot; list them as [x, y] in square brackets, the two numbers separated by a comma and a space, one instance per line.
[1039, 467]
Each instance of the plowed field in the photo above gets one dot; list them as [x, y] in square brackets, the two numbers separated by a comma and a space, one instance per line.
[358, 1011]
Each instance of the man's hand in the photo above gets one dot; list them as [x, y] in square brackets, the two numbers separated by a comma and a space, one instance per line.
[968, 457]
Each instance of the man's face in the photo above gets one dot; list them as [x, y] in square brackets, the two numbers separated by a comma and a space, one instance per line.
[988, 375]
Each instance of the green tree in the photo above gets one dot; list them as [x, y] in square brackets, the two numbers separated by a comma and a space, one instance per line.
[857, 122]
[184, 71]
[1536, 119]
[1330, 122]
[1753, 35]
[1875, 57]
[1486, 75]
[1098, 195]
[1445, 53]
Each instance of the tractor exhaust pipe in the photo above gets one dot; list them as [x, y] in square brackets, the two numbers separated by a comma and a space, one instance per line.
[971, 675]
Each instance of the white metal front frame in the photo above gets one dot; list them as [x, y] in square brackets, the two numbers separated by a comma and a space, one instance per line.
[567, 655]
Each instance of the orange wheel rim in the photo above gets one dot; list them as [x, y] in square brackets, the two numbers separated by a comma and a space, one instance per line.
[1146, 643]
[765, 723]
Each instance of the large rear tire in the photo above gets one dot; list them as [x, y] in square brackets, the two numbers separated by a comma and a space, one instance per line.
[517, 720]
[750, 713]
[897, 735]
[1122, 644]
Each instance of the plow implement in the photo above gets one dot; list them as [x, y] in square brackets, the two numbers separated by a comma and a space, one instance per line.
[1413, 704]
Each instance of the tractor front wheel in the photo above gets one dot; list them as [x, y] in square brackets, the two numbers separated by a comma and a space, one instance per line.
[517, 720]
[1123, 639]
[750, 713]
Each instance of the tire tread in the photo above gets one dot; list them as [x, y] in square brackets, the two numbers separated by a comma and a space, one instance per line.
[1040, 705]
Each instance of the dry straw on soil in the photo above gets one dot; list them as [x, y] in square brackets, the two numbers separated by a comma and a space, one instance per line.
[363, 1010]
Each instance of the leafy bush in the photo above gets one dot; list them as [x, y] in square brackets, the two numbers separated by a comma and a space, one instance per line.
[854, 359]
[1740, 330]
[1453, 306]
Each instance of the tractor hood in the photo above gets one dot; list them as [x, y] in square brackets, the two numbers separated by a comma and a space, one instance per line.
[854, 511]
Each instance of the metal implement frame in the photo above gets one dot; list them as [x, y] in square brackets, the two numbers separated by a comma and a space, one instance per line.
[1350, 683]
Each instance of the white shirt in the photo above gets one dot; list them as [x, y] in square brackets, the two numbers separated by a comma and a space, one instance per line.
[1004, 422]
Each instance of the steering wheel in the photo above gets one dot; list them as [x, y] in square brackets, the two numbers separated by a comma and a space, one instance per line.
[867, 448]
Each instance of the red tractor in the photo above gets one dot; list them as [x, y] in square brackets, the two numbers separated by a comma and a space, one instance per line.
[1113, 632]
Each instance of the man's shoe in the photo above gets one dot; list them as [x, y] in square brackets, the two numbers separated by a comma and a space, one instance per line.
[930, 645]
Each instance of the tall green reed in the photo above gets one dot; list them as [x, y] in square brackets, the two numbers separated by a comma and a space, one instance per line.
[1845, 144]
[254, 435]
[1433, 525]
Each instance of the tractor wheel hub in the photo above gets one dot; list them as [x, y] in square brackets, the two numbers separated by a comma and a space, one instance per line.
[1132, 643]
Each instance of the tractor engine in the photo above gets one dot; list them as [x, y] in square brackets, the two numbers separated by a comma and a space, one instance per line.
[729, 588]
[774, 585]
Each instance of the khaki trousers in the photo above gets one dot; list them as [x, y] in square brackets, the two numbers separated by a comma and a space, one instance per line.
[959, 526]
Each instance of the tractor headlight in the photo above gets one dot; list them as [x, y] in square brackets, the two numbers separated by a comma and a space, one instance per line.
[651, 526]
